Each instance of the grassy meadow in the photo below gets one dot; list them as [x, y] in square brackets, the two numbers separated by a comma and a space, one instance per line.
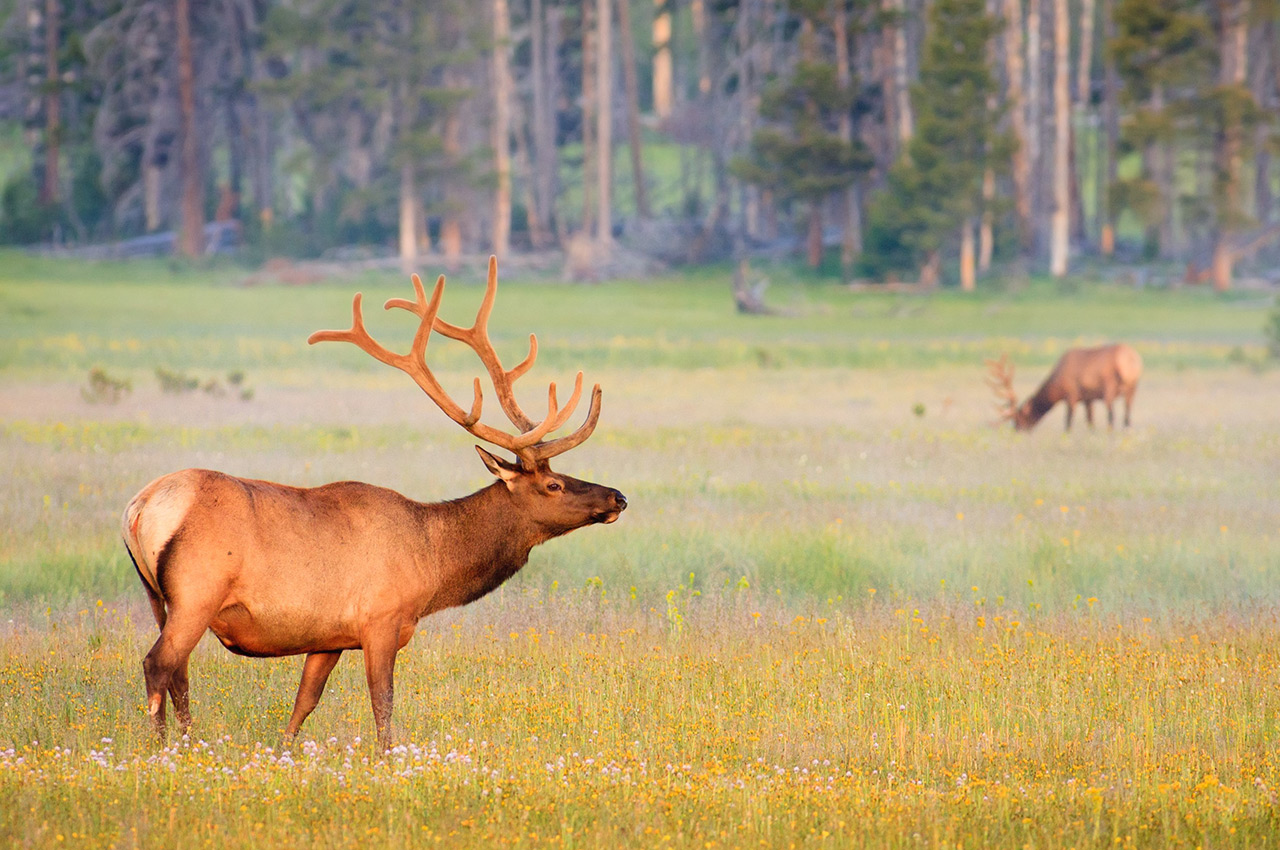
[841, 610]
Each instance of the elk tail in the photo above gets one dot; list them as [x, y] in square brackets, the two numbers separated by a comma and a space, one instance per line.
[146, 572]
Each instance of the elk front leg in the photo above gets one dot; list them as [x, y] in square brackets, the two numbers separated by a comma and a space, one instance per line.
[315, 673]
[1071, 409]
[1088, 413]
[379, 668]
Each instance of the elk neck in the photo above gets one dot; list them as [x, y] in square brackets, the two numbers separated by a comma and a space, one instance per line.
[1049, 394]
[475, 543]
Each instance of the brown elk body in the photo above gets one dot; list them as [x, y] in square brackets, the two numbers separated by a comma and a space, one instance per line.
[274, 570]
[1082, 375]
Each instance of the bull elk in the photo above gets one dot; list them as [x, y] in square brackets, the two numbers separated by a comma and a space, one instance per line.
[1083, 375]
[275, 570]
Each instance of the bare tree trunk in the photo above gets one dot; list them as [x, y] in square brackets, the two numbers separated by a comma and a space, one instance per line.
[849, 236]
[986, 235]
[1084, 97]
[931, 270]
[191, 241]
[1060, 235]
[548, 157]
[49, 191]
[698, 11]
[750, 194]
[663, 81]
[604, 123]
[451, 223]
[1263, 89]
[408, 218]
[1035, 117]
[151, 197]
[814, 241]
[589, 103]
[632, 88]
[1232, 72]
[1109, 141]
[901, 83]
[501, 242]
[968, 279]
[1018, 121]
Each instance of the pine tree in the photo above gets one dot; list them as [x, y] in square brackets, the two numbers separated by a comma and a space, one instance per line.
[935, 188]
[799, 154]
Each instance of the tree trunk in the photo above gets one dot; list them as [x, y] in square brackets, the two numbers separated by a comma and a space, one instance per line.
[588, 117]
[1109, 141]
[901, 81]
[968, 280]
[815, 234]
[1035, 119]
[191, 241]
[849, 237]
[750, 194]
[604, 122]
[1084, 97]
[501, 242]
[1060, 236]
[1018, 122]
[986, 235]
[545, 152]
[1232, 73]
[632, 87]
[931, 271]
[451, 223]
[408, 218]
[663, 81]
[49, 191]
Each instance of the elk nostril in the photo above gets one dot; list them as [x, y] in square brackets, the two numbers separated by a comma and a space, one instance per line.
[620, 499]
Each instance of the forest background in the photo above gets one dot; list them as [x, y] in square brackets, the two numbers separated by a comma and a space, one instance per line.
[914, 140]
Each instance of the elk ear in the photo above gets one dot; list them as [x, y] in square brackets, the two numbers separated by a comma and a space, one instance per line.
[503, 469]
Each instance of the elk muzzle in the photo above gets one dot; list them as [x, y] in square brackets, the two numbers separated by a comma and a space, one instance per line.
[611, 513]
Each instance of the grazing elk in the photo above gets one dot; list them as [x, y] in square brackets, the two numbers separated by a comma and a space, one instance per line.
[1084, 375]
[275, 570]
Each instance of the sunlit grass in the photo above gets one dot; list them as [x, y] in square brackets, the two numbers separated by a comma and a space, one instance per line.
[841, 610]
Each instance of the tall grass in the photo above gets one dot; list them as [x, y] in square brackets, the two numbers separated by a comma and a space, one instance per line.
[841, 609]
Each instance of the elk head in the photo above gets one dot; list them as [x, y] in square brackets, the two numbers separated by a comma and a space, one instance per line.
[1000, 379]
[555, 503]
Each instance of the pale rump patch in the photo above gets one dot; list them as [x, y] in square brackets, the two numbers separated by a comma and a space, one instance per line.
[165, 502]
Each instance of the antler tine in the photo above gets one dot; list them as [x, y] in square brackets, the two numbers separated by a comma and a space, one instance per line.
[548, 450]
[527, 445]
[477, 337]
[414, 363]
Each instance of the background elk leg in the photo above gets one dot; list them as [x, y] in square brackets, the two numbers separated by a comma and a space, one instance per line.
[1071, 409]
[315, 673]
[1128, 403]
[1088, 412]
[380, 649]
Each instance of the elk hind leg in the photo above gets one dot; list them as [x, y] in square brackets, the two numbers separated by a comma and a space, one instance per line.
[315, 673]
[1088, 413]
[165, 666]
[180, 696]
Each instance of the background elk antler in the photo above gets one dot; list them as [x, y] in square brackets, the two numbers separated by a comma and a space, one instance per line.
[1000, 379]
[528, 445]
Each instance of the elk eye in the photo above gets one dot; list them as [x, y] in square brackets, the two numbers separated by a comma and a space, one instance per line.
[554, 487]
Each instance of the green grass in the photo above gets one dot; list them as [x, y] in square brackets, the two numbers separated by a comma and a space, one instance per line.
[824, 619]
